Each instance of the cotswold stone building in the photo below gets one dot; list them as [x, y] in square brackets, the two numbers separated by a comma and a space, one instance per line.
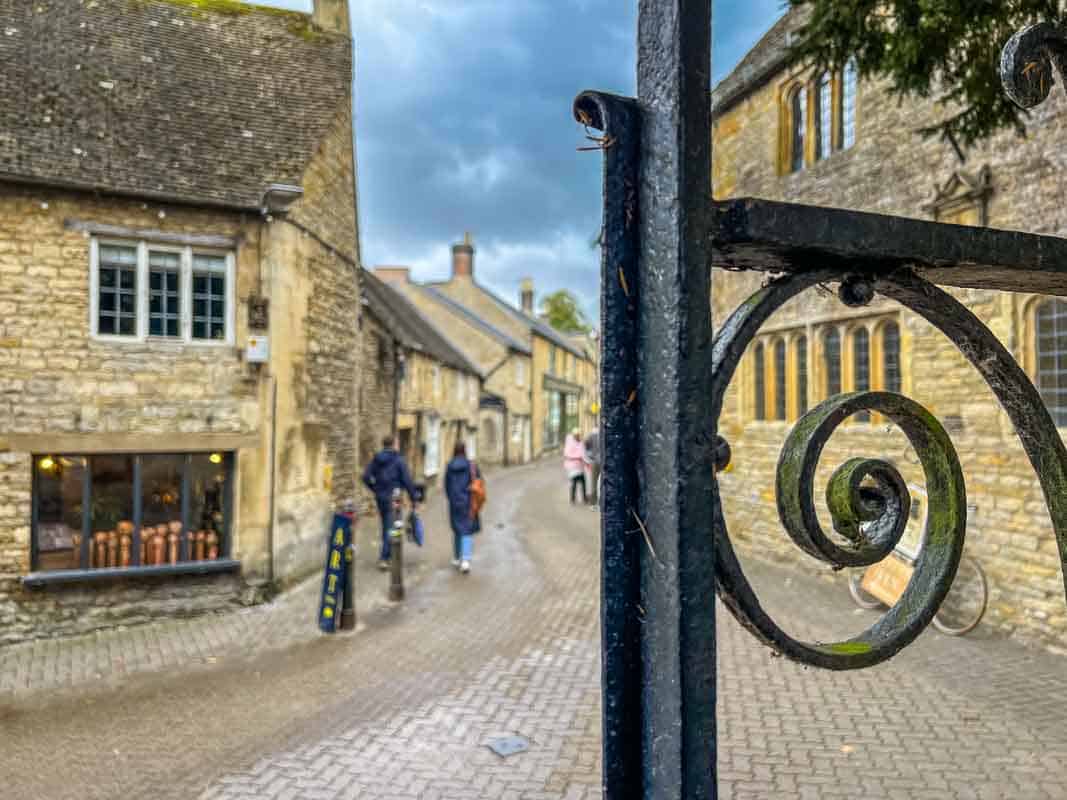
[781, 132]
[416, 385]
[178, 272]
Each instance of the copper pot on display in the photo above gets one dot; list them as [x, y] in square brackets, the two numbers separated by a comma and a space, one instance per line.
[198, 548]
[99, 549]
[112, 548]
[212, 543]
[157, 545]
[174, 540]
[125, 535]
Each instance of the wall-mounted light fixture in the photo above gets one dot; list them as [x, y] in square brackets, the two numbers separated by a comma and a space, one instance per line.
[278, 197]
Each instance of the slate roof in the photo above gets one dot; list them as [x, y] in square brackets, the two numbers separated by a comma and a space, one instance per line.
[165, 99]
[765, 58]
[470, 317]
[402, 319]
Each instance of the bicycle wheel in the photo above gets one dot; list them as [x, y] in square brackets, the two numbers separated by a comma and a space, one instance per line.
[862, 598]
[966, 602]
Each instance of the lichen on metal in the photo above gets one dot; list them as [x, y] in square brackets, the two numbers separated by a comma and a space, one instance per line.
[1027, 61]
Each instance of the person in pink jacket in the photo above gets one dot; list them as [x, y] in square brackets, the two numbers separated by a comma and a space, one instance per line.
[574, 463]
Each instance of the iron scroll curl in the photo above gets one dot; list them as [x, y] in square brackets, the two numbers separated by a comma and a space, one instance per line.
[871, 522]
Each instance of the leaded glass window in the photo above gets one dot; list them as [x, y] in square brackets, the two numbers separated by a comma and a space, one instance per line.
[1052, 357]
[117, 292]
[164, 294]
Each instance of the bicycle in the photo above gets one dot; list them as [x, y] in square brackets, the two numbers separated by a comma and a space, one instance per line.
[967, 599]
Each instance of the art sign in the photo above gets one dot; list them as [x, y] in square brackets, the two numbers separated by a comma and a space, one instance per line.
[338, 555]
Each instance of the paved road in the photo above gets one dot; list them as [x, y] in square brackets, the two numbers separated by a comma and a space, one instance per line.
[405, 708]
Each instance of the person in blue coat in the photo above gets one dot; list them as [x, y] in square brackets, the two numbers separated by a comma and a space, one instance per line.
[458, 476]
[386, 472]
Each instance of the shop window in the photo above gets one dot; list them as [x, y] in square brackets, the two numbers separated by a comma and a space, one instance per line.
[849, 87]
[891, 379]
[797, 128]
[801, 347]
[779, 380]
[124, 511]
[1051, 352]
[140, 291]
[759, 388]
[831, 353]
[824, 117]
[861, 367]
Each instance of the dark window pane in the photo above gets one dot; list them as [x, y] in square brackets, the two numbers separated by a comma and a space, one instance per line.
[207, 507]
[798, 121]
[199, 329]
[172, 327]
[757, 366]
[199, 284]
[60, 507]
[108, 277]
[106, 324]
[861, 366]
[891, 357]
[161, 508]
[127, 326]
[126, 303]
[128, 279]
[111, 511]
[155, 304]
[832, 362]
[779, 380]
[1051, 344]
[172, 281]
[218, 309]
[155, 326]
[218, 330]
[155, 281]
[218, 286]
[173, 304]
[107, 301]
[200, 308]
[802, 375]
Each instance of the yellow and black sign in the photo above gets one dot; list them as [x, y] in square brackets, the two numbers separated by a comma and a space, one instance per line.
[333, 584]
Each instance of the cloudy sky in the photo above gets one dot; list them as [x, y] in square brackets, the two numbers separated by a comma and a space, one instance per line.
[464, 124]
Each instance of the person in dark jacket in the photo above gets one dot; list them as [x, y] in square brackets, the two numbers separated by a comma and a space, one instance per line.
[386, 472]
[458, 476]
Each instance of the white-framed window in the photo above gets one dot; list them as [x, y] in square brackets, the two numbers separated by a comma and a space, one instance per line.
[141, 291]
[520, 372]
[850, 81]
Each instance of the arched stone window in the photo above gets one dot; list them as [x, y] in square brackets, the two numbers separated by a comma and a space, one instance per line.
[824, 117]
[891, 357]
[760, 388]
[861, 366]
[779, 380]
[1050, 345]
[798, 124]
[849, 88]
[831, 354]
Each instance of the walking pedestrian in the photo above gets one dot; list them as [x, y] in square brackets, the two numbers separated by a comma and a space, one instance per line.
[459, 475]
[592, 459]
[574, 464]
[386, 472]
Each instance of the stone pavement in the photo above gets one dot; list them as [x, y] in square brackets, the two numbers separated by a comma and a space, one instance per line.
[406, 709]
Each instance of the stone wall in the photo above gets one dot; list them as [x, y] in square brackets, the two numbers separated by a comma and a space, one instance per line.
[892, 169]
[377, 396]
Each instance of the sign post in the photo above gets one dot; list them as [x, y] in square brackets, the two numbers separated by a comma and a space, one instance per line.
[336, 589]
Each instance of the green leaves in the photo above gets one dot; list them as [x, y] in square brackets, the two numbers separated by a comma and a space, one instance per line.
[561, 310]
[948, 50]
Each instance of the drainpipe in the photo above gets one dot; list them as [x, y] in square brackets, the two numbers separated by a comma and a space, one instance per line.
[273, 440]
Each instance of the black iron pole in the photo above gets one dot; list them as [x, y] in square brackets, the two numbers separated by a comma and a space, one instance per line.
[676, 429]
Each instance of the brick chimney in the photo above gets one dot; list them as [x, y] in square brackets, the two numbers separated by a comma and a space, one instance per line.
[393, 274]
[526, 295]
[331, 16]
[463, 258]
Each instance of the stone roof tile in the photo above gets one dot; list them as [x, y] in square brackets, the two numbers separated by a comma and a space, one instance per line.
[200, 101]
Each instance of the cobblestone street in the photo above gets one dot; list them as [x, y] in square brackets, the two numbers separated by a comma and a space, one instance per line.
[258, 705]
